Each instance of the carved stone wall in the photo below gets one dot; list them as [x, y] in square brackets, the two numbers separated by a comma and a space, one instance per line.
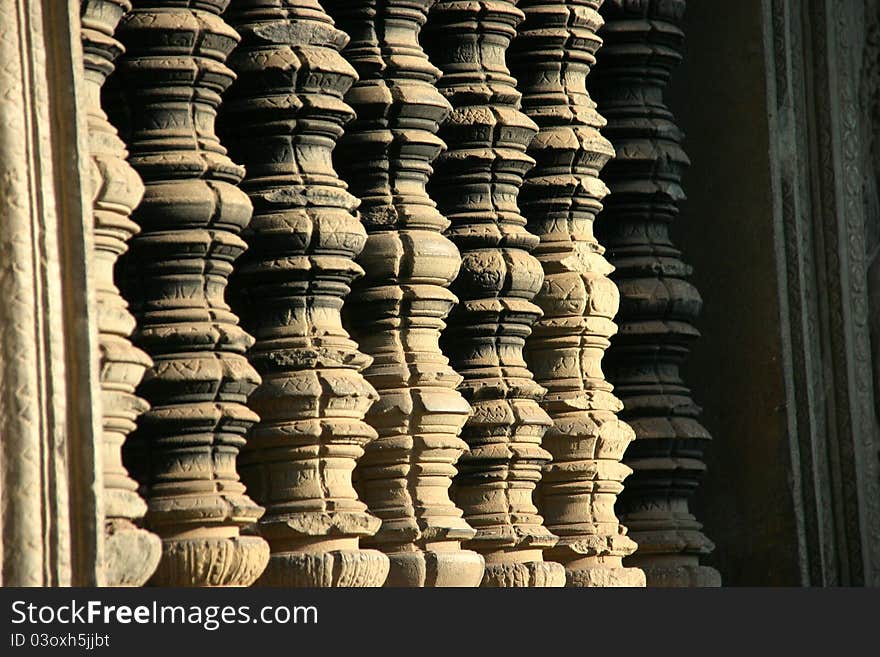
[51, 489]
[132, 553]
[282, 118]
[476, 185]
[551, 57]
[168, 87]
[397, 311]
[642, 42]
[869, 101]
[789, 332]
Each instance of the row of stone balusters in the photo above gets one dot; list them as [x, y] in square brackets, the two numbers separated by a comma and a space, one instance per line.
[642, 43]
[301, 400]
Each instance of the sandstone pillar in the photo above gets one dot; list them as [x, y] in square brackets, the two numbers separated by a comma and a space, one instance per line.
[131, 553]
[281, 119]
[561, 196]
[658, 305]
[476, 187]
[184, 450]
[397, 311]
[51, 515]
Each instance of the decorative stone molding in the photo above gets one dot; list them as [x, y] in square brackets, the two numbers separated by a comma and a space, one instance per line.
[397, 310]
[184, 450]
[131, 553]
[561, 196]
[822, 63]
[642, 43]
[476, 187]
[281, 119]
[51, 511]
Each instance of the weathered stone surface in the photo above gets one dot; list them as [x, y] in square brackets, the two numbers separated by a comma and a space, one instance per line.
[281, 119]
[561, 196]
[396, 312]
[476, 186]
[51, 490]
[658, 305]
[131, 553]
[168, 87]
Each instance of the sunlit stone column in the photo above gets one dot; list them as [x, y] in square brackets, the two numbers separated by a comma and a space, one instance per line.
[397, 310]
[476, 186]
[167, 88]
[561, 196]
[281, 119]
[131, 553]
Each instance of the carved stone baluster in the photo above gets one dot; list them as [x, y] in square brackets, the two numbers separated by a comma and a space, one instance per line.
[476, 187]
[281, 118]
[642, 42]
[561, 196]
[131, 554]
[168, 87]
[397, 311]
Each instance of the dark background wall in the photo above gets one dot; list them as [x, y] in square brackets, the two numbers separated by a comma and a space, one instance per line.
[725, 231]
[775, 99]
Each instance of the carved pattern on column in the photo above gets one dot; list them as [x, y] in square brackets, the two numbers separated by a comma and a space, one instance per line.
[282, 118]
[397, 310]
[476, 187]
[642, 43]
[131, 553]
[551, 57]
[175, 275]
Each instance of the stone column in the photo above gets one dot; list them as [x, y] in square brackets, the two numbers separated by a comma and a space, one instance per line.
[51, 512]
[658, 305]
[561, 196]
[281, 119]
[476, 187]
[184, 450]
[397, 311]
[131, 553]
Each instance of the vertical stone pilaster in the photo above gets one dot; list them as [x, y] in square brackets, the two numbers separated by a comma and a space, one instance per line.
[51, 488]
[131, 553]
[397, 311]
[281, 119]
[184, 450]
[551, 57]
[642, 43]
[476, 187]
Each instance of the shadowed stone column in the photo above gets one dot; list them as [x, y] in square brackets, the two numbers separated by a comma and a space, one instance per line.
[131, 553]
[397, 311]
[658, 305]
[281, 119]
[185, 447]
[476, 187]
[561, 196]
